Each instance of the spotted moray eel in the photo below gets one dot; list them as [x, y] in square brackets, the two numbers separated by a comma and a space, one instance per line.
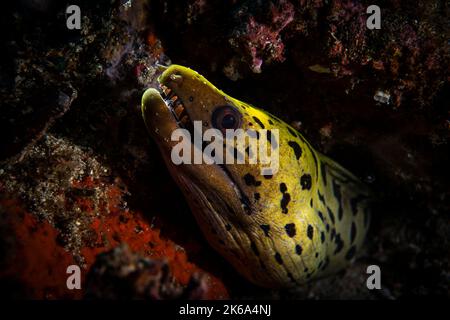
[306, 221]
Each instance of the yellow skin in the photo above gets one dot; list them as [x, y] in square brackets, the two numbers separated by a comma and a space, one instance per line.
[306, 221]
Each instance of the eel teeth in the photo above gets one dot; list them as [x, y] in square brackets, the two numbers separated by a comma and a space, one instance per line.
[175, 105]
[167, 91]
[179, 109]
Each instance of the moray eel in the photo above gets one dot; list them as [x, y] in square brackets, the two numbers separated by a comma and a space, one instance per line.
[304, 222]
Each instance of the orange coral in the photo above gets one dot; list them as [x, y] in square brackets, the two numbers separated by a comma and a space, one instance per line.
[39, 262]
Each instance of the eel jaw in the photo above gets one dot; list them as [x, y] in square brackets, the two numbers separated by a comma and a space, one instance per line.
[164, 112]
[176, 107]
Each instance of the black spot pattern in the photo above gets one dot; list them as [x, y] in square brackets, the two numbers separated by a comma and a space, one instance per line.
[327, 261]
[322, 236]
[228, 206]
[266, 229]
[254, 248]
[324, 173]
[251, 181]
[291, 277]
[290, 229]
[191, 98]
[228, 227]
[352, 232]
[310, 231]
[278, 258]
[330, 214]
[245, 202]
[333, 234]
[350, 253]
[339, 244]
[305, 181]
[321, 197]
[284, 202]
[292, 132]
[298, 249]
[270, 122]
[321, 216]
[297, 150]
[268, 176]
[258, 122]
[269, 136]
[257, 196]
[272, 142]
[285, 199]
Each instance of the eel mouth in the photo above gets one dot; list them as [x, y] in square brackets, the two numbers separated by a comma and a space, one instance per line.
[181, 116]
[176, 107]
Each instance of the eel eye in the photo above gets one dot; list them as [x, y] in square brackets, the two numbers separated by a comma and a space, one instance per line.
[226, 117]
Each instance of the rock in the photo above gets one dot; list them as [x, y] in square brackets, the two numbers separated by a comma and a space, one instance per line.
[121, 274]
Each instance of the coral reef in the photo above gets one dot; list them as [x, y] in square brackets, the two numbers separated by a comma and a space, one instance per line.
[120, 274]
[408, 57]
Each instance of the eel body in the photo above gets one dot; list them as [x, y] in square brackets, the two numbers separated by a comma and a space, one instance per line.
[307, 220]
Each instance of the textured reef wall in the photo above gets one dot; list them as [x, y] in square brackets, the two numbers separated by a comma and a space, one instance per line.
[79, 176]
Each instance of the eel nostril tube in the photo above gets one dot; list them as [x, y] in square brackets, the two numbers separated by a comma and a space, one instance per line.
[176, 78]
